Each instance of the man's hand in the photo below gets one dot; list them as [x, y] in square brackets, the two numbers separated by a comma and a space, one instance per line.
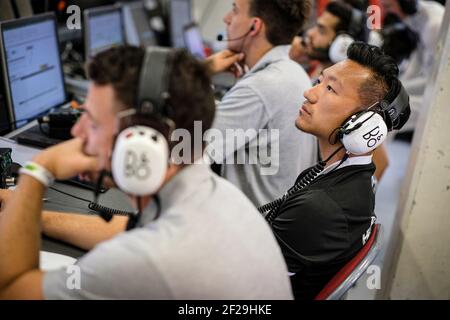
[226, 61]
[66, 160]
[5, 195]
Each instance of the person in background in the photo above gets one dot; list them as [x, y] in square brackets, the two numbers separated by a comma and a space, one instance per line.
[425, 18]
[260, 107]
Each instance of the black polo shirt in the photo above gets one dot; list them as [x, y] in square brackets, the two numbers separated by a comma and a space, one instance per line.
[321, 228]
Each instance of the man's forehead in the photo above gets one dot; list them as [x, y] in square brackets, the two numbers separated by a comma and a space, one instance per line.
[100, 100]
[328, 20]
[349, 72]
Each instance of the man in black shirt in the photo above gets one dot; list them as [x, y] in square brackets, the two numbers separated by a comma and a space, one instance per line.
[327, 217]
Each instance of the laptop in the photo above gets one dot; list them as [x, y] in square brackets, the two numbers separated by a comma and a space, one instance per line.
[32, 69]
[103, 29]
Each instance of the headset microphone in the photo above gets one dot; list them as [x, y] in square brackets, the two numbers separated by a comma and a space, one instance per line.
[221, 37]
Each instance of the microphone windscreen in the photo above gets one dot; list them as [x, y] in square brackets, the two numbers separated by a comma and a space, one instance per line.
[220, 37]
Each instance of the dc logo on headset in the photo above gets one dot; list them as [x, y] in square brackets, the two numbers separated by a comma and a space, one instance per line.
[139, 162]
[364, 133]
[137, 165]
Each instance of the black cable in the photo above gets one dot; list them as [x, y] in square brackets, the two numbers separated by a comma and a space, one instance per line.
[272, 208]
[134, 218]
[105, 212]
[70, 195]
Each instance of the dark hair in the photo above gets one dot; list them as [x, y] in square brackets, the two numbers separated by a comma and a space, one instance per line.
[399, 41]
[284, 19]
[358, 4]
[344, 12]
[408, 7]
[384, 84]
[191, 96]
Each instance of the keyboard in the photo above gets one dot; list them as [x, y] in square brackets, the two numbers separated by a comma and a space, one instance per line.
[36, 140]
[82, 184]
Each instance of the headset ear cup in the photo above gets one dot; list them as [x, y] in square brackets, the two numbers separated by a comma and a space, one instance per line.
[339, 47]
[140, 160]
[370, 135]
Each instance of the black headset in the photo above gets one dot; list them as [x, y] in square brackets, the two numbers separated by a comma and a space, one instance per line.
[409, 7]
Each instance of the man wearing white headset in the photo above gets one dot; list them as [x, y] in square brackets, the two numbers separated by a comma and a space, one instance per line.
[206, 238]
[326, 43]
[327, 216]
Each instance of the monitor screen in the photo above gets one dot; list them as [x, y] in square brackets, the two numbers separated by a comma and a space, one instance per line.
[179, 15]
[103, 29]
[33, 73]
[137, 25]
[194, 41]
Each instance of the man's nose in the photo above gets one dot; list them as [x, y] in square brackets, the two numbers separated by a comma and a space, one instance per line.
[311, 94]
[226, 18]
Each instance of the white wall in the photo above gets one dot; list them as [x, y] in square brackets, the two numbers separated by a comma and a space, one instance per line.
[209, 14]
[422, 269]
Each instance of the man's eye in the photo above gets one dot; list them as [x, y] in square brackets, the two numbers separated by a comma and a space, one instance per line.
[315, 83]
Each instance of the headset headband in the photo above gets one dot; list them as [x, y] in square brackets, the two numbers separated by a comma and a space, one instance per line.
[396, 113]
[355, 23]
[153, 90]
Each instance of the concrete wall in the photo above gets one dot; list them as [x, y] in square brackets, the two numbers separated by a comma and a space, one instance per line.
[422, 266]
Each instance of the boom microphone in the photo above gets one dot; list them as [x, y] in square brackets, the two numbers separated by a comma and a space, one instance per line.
[221, 37]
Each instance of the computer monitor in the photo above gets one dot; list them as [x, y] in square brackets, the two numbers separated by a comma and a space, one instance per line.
[180, 15]
[103, 29]
[32, 71]
[194, 41]
[6, 10]
[137, 25]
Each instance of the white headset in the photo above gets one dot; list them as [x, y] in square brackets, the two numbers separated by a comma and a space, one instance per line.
[141, 153]
[367, 130]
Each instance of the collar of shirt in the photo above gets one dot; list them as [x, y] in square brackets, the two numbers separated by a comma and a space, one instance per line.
[277, 53]
[352, 161]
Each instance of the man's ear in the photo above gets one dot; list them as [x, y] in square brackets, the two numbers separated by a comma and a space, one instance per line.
[256, 27]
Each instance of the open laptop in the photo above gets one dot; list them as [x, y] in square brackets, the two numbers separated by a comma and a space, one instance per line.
[137, 25]
[32, 69]
[103, 29]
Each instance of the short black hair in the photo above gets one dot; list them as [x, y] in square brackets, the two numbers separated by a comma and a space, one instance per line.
[384, 84]
[399, 41]
[284, 19]
[344, 12]
[191, 95]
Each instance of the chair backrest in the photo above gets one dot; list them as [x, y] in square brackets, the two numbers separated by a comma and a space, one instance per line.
[354, 269]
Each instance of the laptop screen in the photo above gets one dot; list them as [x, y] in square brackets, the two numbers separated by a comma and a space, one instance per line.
[33, 74]
[103, 29]
[194, 41]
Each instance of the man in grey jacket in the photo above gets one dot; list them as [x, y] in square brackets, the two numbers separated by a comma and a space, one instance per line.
[257, 143]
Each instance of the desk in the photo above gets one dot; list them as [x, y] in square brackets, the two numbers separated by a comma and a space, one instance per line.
[59, 202]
